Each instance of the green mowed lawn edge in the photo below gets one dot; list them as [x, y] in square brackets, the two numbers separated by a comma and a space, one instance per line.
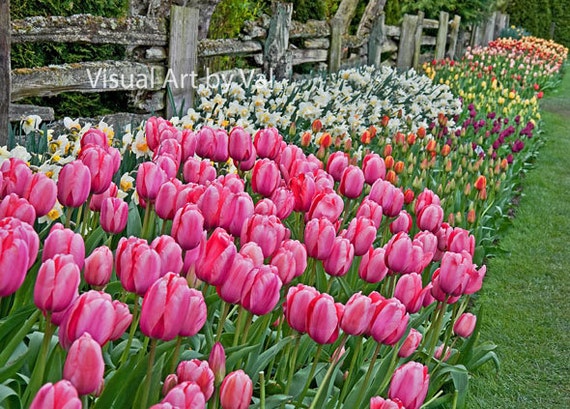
[526, 294]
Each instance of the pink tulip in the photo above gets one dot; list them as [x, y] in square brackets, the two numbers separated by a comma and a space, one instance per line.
[465, 325]
[403, 223]
[100, 164]
[14, 206]
[137, 265]
[210, 204]
[17, 177]
[41, 193]
[231, 289]
[284, 202]
[188, 143]
[217, 361]
[425, 198]
[357, 314]
[196, 314]
[323, 181]
[61, 395]
[97, 199]
[123, 319]
[410, 344]
[267, 143]
[168, 165]
[187, 226]
[198, 171]
[459, 240]
[240, 144]
[361, 232]
[409, 292]
[296, 306]
[91, 312]
[389, 321]
[73, 184]
[235, 209]
[170, 254]
[166, 300]
[94, 137]
[336, 164]
[267, 231]
[23, 231]
[290, 260]
[261, 293]
[427, 241]
[212, 144]
[170, 382]
[410, 384]
[372, 267]
[84, 365]
[371, 210]
[169, 147]
[388, 196]
[252, 251]
[99, 267]
[339, 261]
[304, 190]
[114, 215]
[265, 177]
[64, 241]
[351, 182]
[189, 193]
[185, 395]
[14, 260]
[216, 258]
[430, 218]
[326, 204]
[198, 372]
[236, 390]
[454, 273]
[438, 353]
[152, 131]
[376, 402]
[373, 167]
[57, 283]
[265, 207]
[402, 256]
[323, 318]
[150, 177]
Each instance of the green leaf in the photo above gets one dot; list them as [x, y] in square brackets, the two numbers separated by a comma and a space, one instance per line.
[235, 354]
[9, 399]
[94, 239]
[24, 319]
[134, 223]
[120, 384]
[254, 366]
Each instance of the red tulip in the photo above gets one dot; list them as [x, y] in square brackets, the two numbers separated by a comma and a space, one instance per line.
[41, 193]
[61, 395]
[84, 365]
[236, 390]
[323, 318]
[304, 189]
[101, 168]
[261, 293]
[185, 395]
[57, 283]
[165, 302]
[198, 372]
[351, 182]
[14, 206]
[216, 258]
[372, 267]
[410, 384]
[137, 265]
[465, 325]
[99, 267]
[73, 184]
[267, 143]
[170, 254]
[357, 314]
[187, 226]
[339, 261]
[336, 164]
[410, 344]
[64, 241]
[373, 168]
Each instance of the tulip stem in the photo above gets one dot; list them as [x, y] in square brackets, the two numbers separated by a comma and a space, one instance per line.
[175, 355]
[368, 375]
[225, 309]
[239, 324]
[37, 377]
[147, 384]
[261, 390]
[355, 356]
[334, 362]
[292, 364]
[79, 216]
[134, 325]
[390, 370]
[68, 214]
[434, 329]
[311, 375]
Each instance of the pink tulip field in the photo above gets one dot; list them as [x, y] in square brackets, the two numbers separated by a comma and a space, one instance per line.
[298, 244]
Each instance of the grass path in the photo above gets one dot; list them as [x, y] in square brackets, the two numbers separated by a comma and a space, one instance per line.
[526, 294]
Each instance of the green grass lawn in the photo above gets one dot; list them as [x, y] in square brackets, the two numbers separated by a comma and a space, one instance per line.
[526, 294]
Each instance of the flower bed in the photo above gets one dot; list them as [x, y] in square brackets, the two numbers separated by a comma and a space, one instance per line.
[313, 244]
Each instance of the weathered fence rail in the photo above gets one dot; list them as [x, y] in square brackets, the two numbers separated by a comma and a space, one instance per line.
[162, 50]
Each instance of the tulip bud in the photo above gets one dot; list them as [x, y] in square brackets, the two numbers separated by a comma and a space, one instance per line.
[14, 260]
[351, 182]
[217, 362]
[114, 215]
[61, 395]
[73, 184]
[57, 283]
[41, 193]
[170, 254]
[410, 384]
[465, 325]
[84, 365]
[64, 241]
[410, 344]
[187, 226]
[236, 391]
[372, 267]
[14, 206]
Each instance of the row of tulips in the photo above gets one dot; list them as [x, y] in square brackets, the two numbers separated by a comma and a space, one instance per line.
[320, 275]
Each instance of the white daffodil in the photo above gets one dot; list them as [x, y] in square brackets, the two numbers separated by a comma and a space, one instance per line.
[31, 123]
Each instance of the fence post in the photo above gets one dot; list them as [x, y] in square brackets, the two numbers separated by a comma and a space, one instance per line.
[406, 46]
[500, 24]
[441, 35]
[335, 49]
[418, 40]
[453, 37]
[5, 33]
[182, 58]
[375, 41]
[489, 31]
[277, 59]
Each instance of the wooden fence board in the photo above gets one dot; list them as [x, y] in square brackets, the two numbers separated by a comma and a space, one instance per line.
[4, 69]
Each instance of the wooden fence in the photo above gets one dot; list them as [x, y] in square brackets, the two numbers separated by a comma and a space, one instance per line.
[167, 51]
